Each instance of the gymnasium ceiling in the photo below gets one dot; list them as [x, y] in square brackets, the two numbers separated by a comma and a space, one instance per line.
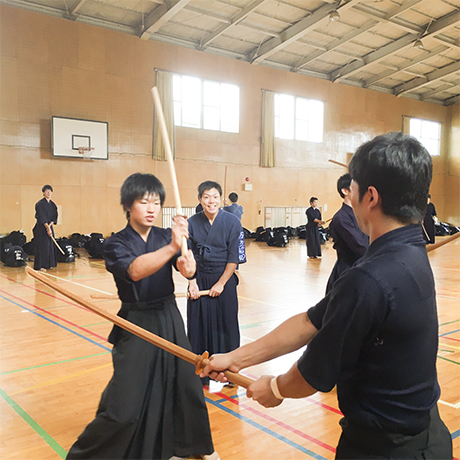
[409, 48]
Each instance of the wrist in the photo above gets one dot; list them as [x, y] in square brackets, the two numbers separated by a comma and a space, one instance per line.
[174, 247]
[275, 389]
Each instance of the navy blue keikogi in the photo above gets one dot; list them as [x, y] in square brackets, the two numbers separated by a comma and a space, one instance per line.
[349, 242]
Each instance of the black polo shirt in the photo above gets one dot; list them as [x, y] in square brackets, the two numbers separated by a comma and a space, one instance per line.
[378, 337]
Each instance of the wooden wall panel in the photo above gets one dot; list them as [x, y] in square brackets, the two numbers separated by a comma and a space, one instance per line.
[51, 66]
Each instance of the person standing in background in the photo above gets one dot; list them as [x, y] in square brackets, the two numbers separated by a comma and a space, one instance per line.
[217, 242]
[47, 216]
[429, 222]
[349, 241]
[313, 222]
[234, 208]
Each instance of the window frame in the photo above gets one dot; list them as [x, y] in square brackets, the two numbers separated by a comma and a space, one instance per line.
[234, 127]
[407, 120]
[295, 120]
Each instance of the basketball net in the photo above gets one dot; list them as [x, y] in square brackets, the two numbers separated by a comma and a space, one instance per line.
[85, 152]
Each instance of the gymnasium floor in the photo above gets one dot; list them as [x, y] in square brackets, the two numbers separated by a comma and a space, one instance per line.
[55, 360]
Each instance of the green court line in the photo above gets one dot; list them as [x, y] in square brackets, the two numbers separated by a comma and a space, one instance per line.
[447, 351]
[56, 362]
[450, 361]
[96, 324]
[34, 425]
[258, 324]
[249, 326]
[450, 322]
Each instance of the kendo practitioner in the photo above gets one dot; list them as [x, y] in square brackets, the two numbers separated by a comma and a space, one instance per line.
[429, 222]
[217, 241]
[234, 207]
[313, 222]
[47, 215]
[153, 407]
[375, 334]
[349, 241]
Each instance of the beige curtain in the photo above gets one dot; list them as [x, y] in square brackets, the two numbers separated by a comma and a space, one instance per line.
[164, 85]
[267, 145]
[406, 124]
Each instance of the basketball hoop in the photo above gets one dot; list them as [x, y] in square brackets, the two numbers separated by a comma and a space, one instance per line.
[85, 152]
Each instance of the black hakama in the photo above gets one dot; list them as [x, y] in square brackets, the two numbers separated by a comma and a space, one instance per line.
[45, 249]
[212, 322]
[428, 224]
[313, 240]
[153, 407]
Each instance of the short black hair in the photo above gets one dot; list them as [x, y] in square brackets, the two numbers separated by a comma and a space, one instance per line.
[400, 168]
[47, 187]
[208, 185]
[136, 186]
[233, 197]
[313, 198]
[343, 182]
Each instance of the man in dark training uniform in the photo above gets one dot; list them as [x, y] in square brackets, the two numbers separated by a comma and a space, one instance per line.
[153, 407]
[349, 241]
[375, 334]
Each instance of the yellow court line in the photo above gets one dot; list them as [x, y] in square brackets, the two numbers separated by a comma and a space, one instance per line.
[258, 301]
[450, 346]
[60, 379]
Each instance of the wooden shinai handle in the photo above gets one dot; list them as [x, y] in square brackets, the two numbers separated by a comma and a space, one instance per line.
[199, 361]
[169, 157]
[57, 245]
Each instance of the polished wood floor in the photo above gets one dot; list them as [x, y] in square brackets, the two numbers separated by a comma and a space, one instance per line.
[55, 360]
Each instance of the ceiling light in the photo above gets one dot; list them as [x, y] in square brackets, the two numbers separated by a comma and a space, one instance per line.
[418, 44]
[334, 16]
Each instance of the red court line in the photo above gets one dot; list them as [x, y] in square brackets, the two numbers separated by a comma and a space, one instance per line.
[55, 316]
[449, 338]
[325, 406]
[44, 293]
[277, 422]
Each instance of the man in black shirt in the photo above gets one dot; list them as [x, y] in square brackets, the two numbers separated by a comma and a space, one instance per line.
[375, 334]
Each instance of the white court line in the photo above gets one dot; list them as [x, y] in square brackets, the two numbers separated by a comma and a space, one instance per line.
[78, 284]
[455, 406]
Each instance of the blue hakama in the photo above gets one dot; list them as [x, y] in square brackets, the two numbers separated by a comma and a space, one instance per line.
[212, 322]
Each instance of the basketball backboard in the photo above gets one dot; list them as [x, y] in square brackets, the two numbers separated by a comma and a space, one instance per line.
[70, 136]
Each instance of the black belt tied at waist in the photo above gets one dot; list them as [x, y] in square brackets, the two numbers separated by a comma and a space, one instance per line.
[156, 304]
[126, 307]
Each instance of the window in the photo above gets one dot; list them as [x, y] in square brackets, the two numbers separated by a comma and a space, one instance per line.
[205, 104]
[298, 118]
[428, 133]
